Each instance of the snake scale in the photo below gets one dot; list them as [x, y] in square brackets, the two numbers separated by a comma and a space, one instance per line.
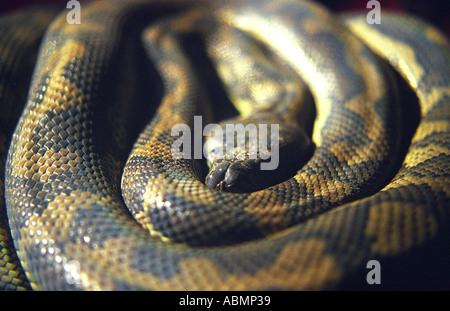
[372, 188]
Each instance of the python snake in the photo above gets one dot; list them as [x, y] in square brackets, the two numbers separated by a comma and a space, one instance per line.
[372, 189]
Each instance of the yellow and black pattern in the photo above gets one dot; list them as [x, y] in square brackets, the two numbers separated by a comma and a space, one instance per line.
[96, 84]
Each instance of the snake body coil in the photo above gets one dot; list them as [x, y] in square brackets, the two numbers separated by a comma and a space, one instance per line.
[96, 84]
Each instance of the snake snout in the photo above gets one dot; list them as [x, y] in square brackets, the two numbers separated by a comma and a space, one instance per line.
[232, 175]
[216, 175]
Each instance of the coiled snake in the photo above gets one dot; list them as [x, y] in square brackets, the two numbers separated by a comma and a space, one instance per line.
[361, 194]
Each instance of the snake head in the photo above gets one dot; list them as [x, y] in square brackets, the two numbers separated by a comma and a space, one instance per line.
[243, 171]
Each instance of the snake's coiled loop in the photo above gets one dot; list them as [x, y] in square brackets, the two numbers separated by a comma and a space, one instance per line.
[357, 198]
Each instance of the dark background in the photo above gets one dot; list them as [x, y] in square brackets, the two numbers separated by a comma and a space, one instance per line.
[435, 11]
